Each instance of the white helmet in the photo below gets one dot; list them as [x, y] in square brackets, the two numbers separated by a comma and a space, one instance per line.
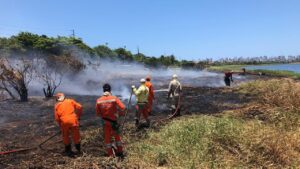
[142, 80]
[174, 76]
[60, 97]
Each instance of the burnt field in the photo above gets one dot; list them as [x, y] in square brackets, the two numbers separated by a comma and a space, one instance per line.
[26, 125]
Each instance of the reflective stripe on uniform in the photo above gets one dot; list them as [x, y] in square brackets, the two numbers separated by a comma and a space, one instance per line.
[119, 143]
[108, 145]
[106, 101]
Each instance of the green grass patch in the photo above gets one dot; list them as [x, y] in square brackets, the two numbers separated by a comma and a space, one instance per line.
[227, 67]
[278, 73]
[217, 142]
[191, 143]
[238, 68]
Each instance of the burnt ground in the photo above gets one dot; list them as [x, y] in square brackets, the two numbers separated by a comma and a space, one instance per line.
[28, 124]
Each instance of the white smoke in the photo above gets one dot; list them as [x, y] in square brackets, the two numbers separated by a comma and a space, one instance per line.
[2, 119]
[122, 75]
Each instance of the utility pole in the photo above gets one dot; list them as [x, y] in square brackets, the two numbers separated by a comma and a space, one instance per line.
[73, 33]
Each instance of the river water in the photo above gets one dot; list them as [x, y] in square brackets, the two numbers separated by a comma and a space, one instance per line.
[289, 67]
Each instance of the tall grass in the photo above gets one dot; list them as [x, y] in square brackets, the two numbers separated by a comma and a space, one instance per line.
[228, 141]
[278, 100]
[213, 142]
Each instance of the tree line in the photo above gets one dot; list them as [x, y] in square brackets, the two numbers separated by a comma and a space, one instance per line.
[257, 60]
[28, 56]
[30, 45]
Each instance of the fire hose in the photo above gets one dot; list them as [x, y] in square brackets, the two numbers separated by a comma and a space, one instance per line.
[177, 108]
[30, 148]
[169, 117]
[34, 147]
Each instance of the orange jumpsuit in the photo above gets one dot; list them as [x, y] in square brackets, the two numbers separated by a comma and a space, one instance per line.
[67, 114]
[107, 107]
[150, 96]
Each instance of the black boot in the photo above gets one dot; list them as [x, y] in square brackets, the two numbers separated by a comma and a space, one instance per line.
[78, 148]
[178, 113]
[68, 151]
[147, 123]
[137, 122]
[120, 155]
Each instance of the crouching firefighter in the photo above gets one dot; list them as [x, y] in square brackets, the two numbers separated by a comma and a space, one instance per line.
[67, 114]
[174, 93]
[142, 103]
[109, 108]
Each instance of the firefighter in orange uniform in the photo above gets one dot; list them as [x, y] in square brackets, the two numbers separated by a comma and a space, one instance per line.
[109, 108]
[151, 94]
[67, 114]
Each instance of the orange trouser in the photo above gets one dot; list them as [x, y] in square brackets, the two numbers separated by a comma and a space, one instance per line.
[110, 132]
[142, 108]
[150, 103]
[66, 128]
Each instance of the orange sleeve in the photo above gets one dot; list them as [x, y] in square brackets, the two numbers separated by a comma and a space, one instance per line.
[56, 115]
[152, 92]
[121, 106]
[98, 109]
[78, 108]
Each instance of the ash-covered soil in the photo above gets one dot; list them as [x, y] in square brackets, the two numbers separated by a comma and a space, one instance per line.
[26, 125]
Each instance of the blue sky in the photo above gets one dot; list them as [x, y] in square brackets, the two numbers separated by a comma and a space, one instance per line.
[189, 29]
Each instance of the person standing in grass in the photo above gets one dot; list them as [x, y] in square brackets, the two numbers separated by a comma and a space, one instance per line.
[228, 77]
[109, 108]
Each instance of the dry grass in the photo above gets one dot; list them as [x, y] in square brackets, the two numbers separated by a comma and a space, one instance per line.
[283, 93]
[264, 134]
[269, 147]
[274, 134]
[276, 102]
